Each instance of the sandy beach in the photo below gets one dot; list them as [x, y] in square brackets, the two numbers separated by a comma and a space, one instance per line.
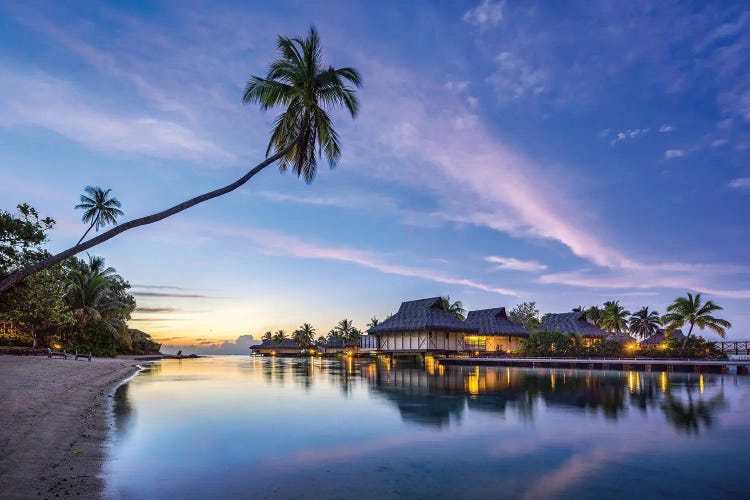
[53, 424]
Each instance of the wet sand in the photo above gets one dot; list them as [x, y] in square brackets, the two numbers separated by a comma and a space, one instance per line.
[53, 424]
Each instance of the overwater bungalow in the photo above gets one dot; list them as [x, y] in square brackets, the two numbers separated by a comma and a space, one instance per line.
[286, 347]
[660, 337]
[496, 333]
[420, 327]
[573, 322]
[333, 347]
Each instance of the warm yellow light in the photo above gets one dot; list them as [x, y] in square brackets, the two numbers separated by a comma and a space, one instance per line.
[701, 383]
[552, 380]
[663, 381]
[273, 353]
[663, 346]
[631, 381]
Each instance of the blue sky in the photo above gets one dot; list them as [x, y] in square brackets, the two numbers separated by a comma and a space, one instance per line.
[505, 151]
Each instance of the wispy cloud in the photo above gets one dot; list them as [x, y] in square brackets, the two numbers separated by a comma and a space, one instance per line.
[44, 101]
[487, 14]
[740, 183]
[512, 264]
[671, 154]
[175, 295]
[276, 243]
[514, 77]
[153, 310]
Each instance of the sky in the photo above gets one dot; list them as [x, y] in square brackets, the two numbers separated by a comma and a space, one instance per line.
[504, 152]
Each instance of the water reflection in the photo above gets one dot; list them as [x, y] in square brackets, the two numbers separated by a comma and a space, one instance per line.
[241, 427]
[435, 395]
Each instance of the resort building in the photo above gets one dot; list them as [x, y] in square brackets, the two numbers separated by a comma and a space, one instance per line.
[286, 347]
[573, 322]
[495, 332]
[340, 347]
[420, 327]
[660, 337]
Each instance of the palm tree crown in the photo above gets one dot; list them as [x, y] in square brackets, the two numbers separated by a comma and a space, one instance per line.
[304, 335]
[300, 83]
[99, 209]
[693, 311]
[456, 308]
[614, 317]
[644, 323]
[278, 337]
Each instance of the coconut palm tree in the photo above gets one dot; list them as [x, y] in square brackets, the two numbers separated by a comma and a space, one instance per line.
[305, 88]
[455, 309]
[644, 322]
[278, 337]
[267, 336]
[345, 331]
[691, 310]
[594, 315]
[614, 317]
[92, 303]
[304, 335]
[99, 209]
[373, 322]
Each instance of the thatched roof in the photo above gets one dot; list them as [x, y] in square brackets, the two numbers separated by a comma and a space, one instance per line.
[572, 322]
[660, 336]
[270, 344]
[495, 322]
[424, 314]
[623, 338]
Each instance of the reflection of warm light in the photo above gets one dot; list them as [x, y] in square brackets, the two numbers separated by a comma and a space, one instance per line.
[663, 381]
[441, 370]
[507, 372]
[429, 364]
[371, 370]
[701, 385]
[312, 351]
[552, 380]
[631, 381]
[273, 353]
[472, 382]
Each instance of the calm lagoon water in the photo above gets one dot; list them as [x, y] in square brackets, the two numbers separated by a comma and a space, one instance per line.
[242, 427]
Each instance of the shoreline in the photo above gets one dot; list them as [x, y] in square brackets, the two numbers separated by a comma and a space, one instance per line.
[56, 421]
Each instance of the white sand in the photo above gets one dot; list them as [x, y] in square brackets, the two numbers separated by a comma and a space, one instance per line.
[53, 424]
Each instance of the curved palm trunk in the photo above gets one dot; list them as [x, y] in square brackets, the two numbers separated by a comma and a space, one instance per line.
[18, 276]
[684, 342]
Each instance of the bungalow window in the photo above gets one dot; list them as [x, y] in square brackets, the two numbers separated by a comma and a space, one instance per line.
[475, 342]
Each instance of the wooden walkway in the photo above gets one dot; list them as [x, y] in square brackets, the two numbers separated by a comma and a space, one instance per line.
[645, 364]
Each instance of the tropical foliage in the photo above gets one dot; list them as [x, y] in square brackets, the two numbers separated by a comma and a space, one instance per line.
[344, 330]
[456, 308]
[691, 310]
[614, 317]
[526, 314]
[644, 322]
[304, 335]
[78, 304]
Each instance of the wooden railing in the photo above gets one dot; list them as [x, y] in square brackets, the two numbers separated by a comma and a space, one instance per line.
[734, 346]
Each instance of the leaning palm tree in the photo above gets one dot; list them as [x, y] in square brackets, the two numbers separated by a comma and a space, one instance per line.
[99, 209]
[305, 88]
[456, 308]
[614, 317]
[693, 311]
[304, 335]
[644, 322]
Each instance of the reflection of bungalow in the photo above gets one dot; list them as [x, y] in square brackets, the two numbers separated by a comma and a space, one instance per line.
[573, 322]
[420, 327]
[496, 332]
[340, 347]
[660, 337]
[286, 347]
